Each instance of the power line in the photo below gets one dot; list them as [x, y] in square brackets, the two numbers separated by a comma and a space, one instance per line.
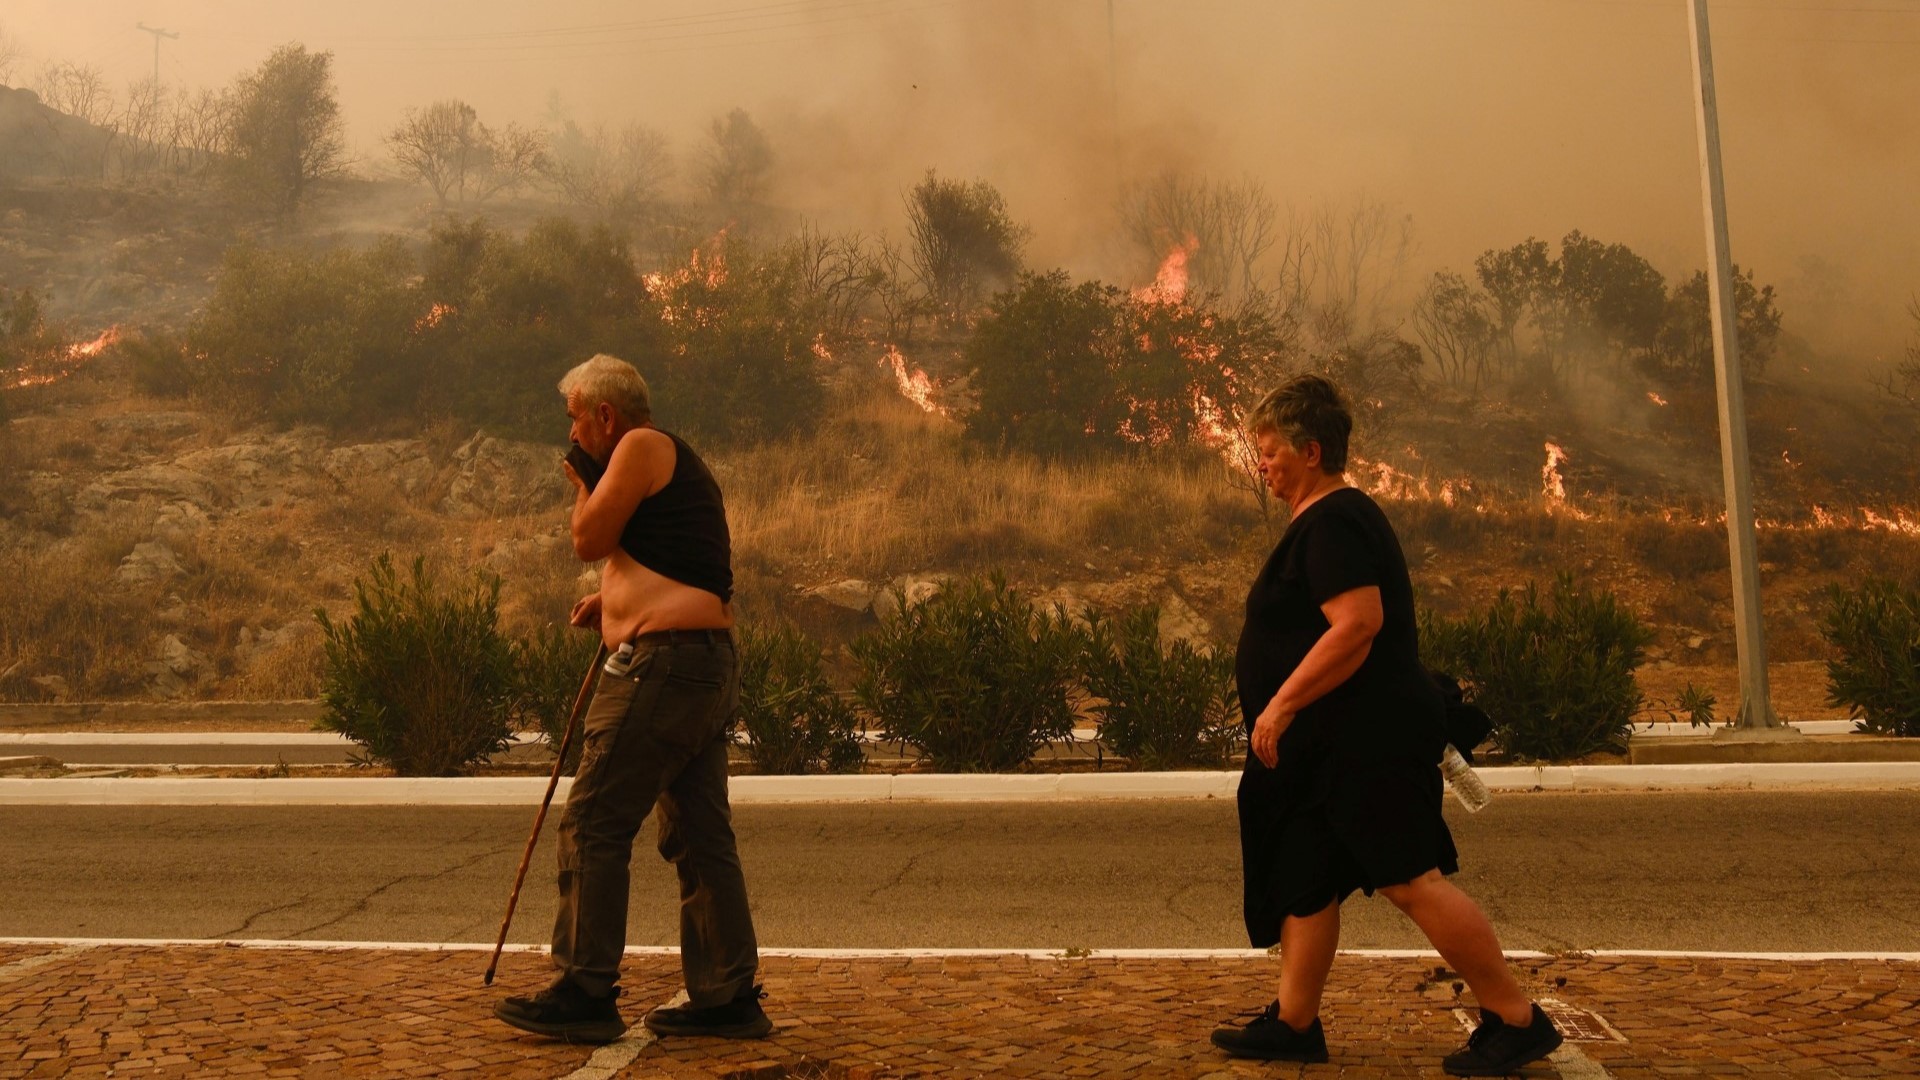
[157, 35]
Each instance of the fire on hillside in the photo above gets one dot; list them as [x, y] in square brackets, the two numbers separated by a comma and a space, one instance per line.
[913, 383]
[62, 362]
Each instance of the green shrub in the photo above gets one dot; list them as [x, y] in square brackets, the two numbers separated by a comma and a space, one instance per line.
[325, 338]
[1876, 630]
[1555, 674]
[964, 241]
[794, 722]
[157, 362]
[419, 675]
[975, 678]
[1161, 708]
[549, 666]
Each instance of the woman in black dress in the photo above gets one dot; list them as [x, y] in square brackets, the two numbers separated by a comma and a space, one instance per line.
[1342, 786]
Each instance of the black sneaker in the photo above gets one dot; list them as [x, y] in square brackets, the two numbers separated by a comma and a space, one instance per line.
[1497, 1048]
[741, 1018]
[1270, 1038]
[564, 1011]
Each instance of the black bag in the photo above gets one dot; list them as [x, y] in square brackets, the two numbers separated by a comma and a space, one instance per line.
[1467, 724]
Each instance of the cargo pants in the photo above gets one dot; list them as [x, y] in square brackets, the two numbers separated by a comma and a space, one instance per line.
[657, 738]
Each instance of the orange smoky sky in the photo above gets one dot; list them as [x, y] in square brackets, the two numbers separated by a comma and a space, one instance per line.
[1485, 120]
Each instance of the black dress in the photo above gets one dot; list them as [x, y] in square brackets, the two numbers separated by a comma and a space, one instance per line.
[1354, 800]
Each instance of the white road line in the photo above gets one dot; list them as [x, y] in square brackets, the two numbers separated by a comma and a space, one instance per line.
[802, 953]
[195, 738]
[9, 972]
[923, 787]
[611, 1058]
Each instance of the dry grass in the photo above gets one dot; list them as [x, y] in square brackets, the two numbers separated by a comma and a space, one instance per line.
[878, 489]
[885, 489]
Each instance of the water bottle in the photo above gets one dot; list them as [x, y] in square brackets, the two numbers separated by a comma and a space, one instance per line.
[620, 662]
[1464, 782]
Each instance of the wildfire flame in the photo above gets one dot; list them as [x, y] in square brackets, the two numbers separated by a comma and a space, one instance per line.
[1656, 399]
[434, 316]
[1383, 481]
[1553, 487]
[707, 264]
[1170, 281]
[1896, 520]
[67, 360]
[89, 350]
[1899, 523]
[915, 384]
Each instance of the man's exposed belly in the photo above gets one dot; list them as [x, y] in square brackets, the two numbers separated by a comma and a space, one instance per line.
[635, 600]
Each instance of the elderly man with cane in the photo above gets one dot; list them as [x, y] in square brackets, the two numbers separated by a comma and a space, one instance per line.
[656, 733]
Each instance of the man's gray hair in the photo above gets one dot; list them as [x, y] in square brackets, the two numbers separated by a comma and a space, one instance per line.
[614, 381]
[1304, 409]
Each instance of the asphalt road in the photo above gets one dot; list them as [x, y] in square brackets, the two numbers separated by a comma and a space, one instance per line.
[1764, 871]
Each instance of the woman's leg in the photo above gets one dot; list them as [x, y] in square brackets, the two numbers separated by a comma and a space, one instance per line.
[1307, 945]
[1460, 931]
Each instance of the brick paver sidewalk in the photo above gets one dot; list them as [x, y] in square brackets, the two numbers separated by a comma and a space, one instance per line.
[100, 1010]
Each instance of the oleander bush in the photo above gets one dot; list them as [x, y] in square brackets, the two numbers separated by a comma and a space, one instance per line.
[793, 720]
[1554, 672]
[1159, 706]
[1875, 630]
[976, 678]
[550, 666]
[420, 675]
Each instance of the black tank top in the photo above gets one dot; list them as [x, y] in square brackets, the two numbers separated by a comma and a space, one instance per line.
[680, 531]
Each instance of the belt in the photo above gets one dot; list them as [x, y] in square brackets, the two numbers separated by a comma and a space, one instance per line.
[684, 637]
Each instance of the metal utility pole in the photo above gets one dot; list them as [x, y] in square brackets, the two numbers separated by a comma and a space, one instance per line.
[1757, 719]
[157, 35]
[1113, 87]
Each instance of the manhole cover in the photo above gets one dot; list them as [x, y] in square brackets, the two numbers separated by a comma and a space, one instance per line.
[1577, 1024]
[803, 1069]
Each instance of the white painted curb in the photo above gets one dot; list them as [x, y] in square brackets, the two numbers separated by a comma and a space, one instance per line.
[1665, 729]
[322, 945]
[913, 787]
[197, 738]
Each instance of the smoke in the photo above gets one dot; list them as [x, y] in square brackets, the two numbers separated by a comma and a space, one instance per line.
[1486, 120]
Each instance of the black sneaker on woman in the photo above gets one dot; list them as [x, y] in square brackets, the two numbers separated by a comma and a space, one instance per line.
[1497, 1048]
[741, 1018]
[1270, 1038]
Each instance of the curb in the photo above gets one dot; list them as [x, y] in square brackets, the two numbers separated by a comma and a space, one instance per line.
[805, 952]
[917, 787]
[326, 738]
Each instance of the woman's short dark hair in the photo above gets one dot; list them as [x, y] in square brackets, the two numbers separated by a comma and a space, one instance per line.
[1307, 408]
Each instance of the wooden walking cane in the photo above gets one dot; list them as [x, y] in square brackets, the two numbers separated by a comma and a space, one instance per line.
[553, 782]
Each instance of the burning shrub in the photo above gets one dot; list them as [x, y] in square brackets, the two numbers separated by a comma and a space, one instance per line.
[28, 346]
[549, 666]
[737, 361]
[419, 676]
[1161, 707]
[504, 316]
[1556, 677]
[1875, 628]
[1061, 368]
[974, 677]
[793, 720]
